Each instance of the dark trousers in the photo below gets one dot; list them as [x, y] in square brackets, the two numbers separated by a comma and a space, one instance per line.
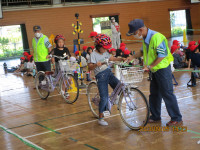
[43, 66]
[103, 79]
[161, 87]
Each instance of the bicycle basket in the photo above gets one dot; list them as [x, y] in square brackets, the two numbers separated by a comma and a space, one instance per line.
[67, 65]
[131, 75]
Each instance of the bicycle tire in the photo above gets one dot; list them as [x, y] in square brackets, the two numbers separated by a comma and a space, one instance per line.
[72, 91]
[93, 92]
[129, 122]
[39, 87]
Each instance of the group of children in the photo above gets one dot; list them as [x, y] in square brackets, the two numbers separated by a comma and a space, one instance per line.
[27, 65]
[186, 57]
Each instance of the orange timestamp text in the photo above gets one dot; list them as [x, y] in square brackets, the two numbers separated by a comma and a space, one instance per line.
[163, 129]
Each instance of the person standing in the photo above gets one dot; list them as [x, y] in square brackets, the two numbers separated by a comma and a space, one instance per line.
[157, 58]
[41, 48]
[115, 34]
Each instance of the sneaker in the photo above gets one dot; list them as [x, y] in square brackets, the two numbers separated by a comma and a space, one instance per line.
[102, 122]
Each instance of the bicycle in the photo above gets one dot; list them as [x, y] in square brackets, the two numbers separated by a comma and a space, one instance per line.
[68, 85]
[133, 106]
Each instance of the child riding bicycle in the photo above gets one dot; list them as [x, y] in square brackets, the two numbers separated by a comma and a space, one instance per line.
[102, 72]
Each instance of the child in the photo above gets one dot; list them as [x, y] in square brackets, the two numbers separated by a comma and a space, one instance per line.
[30, 66]
[103, 74]
[177, 43]
[178, 61]
[195, 59]
[93, 35]
[119, 53]
[89, 51]
[21, 66]
[60, 50]
[83, 60]
[126, 53]
[84, 51]
[113, 52]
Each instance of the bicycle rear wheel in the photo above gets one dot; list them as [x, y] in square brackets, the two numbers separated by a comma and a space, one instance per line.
[69, 88]
[134, 110]
[93, 98]
[42, 85]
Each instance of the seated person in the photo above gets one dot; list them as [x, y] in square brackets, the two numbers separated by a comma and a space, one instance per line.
[178, 61]
[194, 57]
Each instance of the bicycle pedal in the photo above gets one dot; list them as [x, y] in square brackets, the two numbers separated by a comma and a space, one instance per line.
[106, 113]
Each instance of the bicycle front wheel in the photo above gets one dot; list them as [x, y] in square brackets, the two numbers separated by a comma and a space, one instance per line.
[134, 108]
[69, 88]
[93, 98]
[42, 85]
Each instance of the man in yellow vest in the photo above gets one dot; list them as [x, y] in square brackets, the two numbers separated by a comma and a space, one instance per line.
[41, 48]
[157, 58]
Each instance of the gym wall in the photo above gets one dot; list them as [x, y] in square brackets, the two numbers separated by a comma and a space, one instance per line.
[59, 20]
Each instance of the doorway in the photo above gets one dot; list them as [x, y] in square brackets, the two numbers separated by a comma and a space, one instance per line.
[178, 22]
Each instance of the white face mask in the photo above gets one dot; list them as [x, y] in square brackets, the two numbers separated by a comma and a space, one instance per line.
[37, 35]
[137, 36]
[113, 20]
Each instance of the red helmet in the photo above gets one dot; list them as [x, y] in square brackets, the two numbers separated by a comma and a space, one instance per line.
[92, 34]
[77, 53]
[25, 53]
[29, 57]
[173, 48]
[22, 58]
[85, 47]
[126, 52]
[104, 41]
[58, 37]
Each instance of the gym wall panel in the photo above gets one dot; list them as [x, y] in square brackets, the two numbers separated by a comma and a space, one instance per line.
[59, 20]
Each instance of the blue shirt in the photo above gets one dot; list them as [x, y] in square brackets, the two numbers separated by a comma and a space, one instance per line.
[161, 49]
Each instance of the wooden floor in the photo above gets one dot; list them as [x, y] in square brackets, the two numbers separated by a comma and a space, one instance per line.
[54, 125]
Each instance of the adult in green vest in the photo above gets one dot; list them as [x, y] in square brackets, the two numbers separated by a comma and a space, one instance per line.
[157, 58]
[41, 48]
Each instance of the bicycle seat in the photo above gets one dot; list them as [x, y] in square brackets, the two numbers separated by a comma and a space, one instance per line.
[49, 72]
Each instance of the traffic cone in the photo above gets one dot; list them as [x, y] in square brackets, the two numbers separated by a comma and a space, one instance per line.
[184, 37]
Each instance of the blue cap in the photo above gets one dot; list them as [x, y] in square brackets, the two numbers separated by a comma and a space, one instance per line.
[36, 28]
[134, 25]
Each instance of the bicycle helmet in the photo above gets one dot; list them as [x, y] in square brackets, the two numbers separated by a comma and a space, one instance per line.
[58, 37]
[103, 40]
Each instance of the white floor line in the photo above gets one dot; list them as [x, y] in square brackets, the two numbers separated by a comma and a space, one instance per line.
[69, 126]
[96, 119]
[20, 137]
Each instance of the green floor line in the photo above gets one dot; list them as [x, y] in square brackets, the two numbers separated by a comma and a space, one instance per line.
[193, 132]
[47, 128]
[91, 147]
[73, 139]
[50, 119]
[25, 141]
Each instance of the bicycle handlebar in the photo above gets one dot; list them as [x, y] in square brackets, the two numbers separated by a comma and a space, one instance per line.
[59, 57]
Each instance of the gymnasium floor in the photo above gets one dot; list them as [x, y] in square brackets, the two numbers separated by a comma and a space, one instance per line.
[53, 124]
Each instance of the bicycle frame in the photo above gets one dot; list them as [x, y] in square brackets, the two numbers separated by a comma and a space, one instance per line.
[118, 89]
[53, 84]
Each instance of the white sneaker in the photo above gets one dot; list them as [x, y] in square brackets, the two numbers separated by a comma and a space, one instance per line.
[102, 122]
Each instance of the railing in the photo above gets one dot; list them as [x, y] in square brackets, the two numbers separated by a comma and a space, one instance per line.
[22, 2]
[63, 2]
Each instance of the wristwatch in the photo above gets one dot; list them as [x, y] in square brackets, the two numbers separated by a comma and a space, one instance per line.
[148, 67]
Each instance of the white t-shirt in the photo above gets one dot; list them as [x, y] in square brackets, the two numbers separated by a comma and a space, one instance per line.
[30, 65]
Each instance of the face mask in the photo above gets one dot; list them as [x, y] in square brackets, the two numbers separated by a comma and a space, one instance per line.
[137, 36]
[37, 35]
[113, 20]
